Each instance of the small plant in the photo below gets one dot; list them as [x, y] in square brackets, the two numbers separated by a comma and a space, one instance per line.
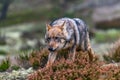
[23, 60]
[34, 59]
[113, 53]
[5, 64]
[38, 58]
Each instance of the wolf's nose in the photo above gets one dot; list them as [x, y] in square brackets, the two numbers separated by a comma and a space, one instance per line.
[50, 49]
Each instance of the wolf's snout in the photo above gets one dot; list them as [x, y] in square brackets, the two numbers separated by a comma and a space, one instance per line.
[51, 49]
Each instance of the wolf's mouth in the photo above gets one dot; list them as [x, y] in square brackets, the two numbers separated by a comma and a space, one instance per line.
[52, 50]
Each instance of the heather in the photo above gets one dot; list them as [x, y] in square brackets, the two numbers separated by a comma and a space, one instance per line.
[80, 69]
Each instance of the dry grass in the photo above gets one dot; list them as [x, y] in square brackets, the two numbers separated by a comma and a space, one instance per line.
[113, 54]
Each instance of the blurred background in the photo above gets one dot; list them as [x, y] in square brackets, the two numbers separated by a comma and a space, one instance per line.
[22, 22]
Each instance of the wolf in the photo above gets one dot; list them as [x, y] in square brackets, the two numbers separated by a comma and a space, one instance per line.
[67, 32]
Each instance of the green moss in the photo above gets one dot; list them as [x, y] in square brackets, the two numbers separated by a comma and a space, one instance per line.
[107, 36]
[30, 15]
[2, 52]
[71, 15]
[19, 18]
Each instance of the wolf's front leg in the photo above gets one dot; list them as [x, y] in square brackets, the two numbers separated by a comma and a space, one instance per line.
[51, 58]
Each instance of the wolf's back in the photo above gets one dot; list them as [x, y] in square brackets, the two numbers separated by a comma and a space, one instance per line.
[78, 26]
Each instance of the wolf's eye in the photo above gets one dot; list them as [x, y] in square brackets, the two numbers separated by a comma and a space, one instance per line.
[56, 37]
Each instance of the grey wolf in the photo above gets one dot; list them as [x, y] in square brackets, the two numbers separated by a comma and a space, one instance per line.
[64, 33]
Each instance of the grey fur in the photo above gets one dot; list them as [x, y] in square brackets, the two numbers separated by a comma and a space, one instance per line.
[75, 31]
[78, 31]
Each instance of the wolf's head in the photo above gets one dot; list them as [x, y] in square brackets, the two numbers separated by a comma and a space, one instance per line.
[54, 37]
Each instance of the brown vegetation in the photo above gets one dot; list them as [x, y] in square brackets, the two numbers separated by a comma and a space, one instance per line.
[80, 69]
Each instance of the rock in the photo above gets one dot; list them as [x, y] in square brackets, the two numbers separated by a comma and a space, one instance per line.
[16, 75]
[21, 37]
[2, 40]
[107, 16]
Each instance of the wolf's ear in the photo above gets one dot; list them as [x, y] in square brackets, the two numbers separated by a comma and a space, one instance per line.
[62, 26]
[48, 27]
